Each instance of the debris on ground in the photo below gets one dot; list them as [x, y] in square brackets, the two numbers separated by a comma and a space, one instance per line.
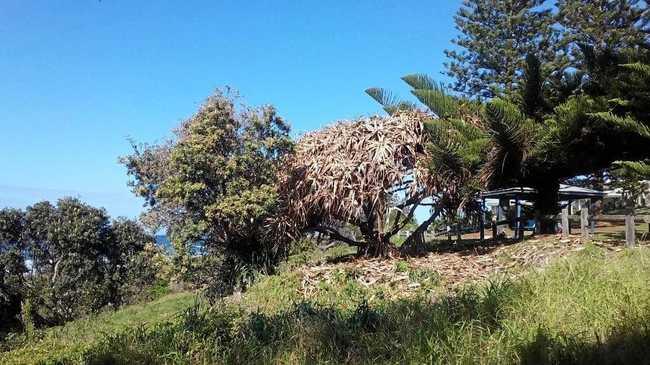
[454, 265]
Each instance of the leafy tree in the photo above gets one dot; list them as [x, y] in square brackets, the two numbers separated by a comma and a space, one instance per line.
[67, 259]
[583, 135]
[215, 185]
[70, 245]
[12, 266]
[495, 37]
[132, 266]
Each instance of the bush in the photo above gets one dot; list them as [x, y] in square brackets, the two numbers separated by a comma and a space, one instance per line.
[79, 262]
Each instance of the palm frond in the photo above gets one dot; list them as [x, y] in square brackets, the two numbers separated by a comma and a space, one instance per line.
[627, 124]
[390, 102]
[438, 101]
[639, 168]
[420, 81]
[511, 139]
[639, 68]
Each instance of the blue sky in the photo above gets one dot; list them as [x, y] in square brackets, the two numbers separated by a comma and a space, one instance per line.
[78, 78]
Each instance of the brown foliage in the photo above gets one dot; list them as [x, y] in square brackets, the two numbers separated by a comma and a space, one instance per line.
[353, 171]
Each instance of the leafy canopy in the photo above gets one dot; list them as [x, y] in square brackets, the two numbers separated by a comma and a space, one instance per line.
[215, 183]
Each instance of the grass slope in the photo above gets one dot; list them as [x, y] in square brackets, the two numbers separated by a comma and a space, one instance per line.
[591, 307]
[68, 343]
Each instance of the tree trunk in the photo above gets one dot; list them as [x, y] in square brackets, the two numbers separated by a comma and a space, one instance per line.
[546, 204]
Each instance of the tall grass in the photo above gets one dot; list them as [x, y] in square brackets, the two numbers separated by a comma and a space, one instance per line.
[587, 309]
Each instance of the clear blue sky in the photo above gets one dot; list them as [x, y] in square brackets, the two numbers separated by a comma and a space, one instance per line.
[77, 78]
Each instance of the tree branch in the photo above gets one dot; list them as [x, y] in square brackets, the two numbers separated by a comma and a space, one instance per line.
[408, 243]
[336, 235]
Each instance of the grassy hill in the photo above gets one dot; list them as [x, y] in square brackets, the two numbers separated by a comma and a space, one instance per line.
[542, 301]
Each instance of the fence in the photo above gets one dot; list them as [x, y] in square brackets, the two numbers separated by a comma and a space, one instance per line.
[585, 219]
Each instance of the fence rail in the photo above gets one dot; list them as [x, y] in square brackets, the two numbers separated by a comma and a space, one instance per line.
[585, 220]
[565, 218]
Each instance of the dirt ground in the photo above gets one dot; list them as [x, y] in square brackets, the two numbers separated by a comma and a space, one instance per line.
[455, 263]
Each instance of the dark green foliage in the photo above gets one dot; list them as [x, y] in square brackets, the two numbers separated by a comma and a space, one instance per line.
[214, 187]
[496, 36]
[602, 24]
[66, 260]
[12, 267]
[133, 264]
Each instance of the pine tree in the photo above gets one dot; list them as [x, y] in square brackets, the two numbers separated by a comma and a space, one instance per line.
[496, 36]
[603, 24]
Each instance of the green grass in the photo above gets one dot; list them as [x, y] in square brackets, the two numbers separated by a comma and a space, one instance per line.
[68, 342]
[590, 308]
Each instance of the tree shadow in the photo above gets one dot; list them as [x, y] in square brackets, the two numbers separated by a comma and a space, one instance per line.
[464, 247]
[626, 344]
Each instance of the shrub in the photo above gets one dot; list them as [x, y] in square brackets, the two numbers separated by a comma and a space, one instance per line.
[214, 186]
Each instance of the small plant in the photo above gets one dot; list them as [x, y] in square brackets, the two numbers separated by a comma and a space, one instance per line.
[421, 274]
[27, 318]
[401, 266]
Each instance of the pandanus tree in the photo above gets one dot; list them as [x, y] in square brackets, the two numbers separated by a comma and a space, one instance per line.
[455, 142]
[357, 173]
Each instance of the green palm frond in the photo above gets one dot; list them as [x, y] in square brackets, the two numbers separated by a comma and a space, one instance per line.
[438, 101]
[390, 102]
[502, 115]
[511, 135]
[627, 124]
[420, 81]
[638, 68]
[469, 131]
[640, 169]
[457, 147]
[446, 158]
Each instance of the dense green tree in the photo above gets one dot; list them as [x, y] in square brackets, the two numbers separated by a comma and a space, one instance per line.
[215, 185]
[583, 135]
[12, 266]
[70, 244]
[603, 24]
[67, 260]
[495, 37]
[132, 267]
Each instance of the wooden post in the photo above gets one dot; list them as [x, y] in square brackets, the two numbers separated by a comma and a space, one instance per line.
[482, 222]
[630, 235]
[500, 215]
[495, 219]
[566, 230]
[518, 232]
[584, 221]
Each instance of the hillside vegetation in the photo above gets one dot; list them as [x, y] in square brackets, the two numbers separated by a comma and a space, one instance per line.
[589, 305]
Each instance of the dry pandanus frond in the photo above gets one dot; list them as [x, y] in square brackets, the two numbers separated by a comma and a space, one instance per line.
[349, 170]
